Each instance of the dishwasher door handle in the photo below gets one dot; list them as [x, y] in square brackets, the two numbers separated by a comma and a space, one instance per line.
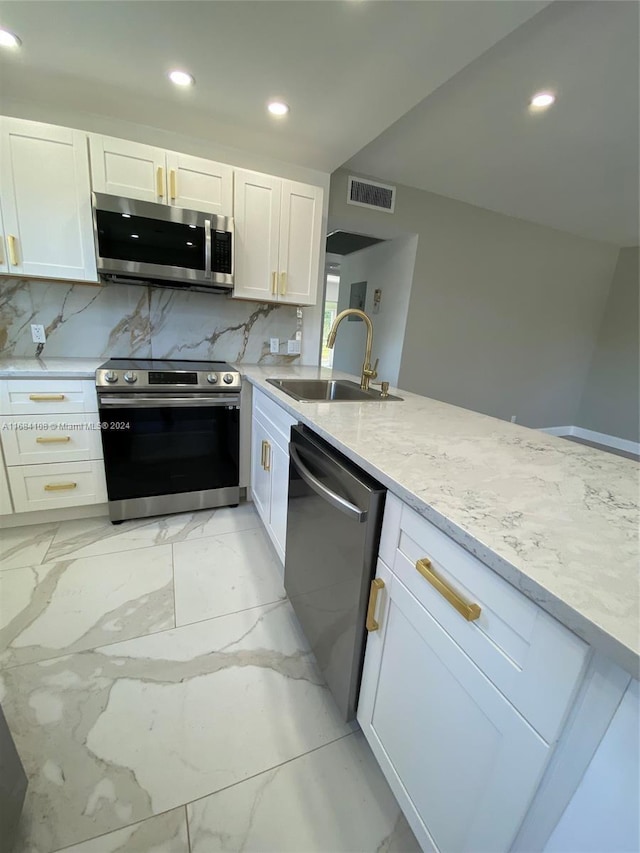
[319, 488]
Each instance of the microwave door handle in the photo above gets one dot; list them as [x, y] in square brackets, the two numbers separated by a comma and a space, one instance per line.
[319, 488]
[207, 248]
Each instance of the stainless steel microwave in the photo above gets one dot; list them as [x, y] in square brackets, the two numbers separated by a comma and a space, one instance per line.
[140, 241]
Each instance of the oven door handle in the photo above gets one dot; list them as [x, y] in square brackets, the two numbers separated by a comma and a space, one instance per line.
[336, 501]
[136, 401]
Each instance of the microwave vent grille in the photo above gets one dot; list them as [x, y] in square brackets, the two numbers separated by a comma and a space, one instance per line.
[371, 194]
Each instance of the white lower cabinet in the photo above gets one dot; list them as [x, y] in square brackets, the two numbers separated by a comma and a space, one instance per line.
[462, 762]
[465, 690]
[51, 444]
[270, 430]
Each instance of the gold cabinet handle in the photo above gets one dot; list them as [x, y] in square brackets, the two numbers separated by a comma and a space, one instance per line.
[160, 181]
[1, 247]
[376, 585]
[283, 283]
[45, 398]
[264, 444]
[59, 487]
[274, 283]
[13, 250]
[173, 184]
[267, 456]
[469, 611]
[53, 439]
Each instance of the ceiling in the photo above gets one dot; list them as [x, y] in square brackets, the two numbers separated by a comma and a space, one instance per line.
[348, 69]
[573, 167]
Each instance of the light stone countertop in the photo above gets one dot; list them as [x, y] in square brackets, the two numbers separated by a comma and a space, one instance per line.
[556, 519]
[49, 368]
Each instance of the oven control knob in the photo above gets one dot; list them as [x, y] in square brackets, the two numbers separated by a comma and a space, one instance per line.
[130, 377]
[227, 379]
[111, 376]
[212, 378]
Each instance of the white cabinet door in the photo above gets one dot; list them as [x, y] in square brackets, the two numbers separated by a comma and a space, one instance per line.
[257, 228]
[463, 763]
[46, 200]
[6, 506]
[4, 259]
[279, 464]
[260, 478]
[199, 184]
[128, 169]
[299, 253]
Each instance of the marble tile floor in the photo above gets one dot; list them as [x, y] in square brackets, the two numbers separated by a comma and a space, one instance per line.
[162, 697]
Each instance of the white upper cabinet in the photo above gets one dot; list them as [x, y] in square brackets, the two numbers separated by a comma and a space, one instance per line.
[45, 197]
[129, 169]
[278, 232]
[257, 226]
[300, 229]
[199, 184]
[133, 170]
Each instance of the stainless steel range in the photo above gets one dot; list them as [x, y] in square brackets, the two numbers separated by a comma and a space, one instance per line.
[170, 434]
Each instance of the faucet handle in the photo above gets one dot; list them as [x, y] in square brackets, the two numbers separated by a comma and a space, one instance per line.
[374, 370]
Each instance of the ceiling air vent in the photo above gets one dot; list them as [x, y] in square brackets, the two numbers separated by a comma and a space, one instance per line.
[371, 194]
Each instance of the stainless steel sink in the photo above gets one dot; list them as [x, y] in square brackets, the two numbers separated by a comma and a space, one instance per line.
[329, 390]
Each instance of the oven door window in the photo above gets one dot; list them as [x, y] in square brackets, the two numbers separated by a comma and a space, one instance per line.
[169, 450]
[150, 241]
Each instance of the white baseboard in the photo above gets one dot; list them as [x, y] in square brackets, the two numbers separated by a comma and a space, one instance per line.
[597, 437]
[47, 516]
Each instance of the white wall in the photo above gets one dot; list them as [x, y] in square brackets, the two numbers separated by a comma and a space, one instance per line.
[388, 266]
[503, 314]
[611, 398]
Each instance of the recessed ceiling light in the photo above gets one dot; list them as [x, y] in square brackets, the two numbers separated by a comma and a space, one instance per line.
[542, 100]
[8, 39]
[278, 108]
[135, 236]
[181, 78]
[189, 244]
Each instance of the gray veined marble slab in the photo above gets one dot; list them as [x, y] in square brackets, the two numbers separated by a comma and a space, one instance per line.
[57, 608]
[223, 574]
[25, 546]
[200, 325]
[333, 799]
[112, 736]
[88, 322]
[557, 520]
[90, 537]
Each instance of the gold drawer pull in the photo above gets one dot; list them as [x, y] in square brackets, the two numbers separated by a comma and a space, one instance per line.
[45, 398]
[267, 456]
[160, 181]
[469, 611]
[59, 487]
[13, 251]
[52, 439]
[173, 183]
[274, 283]
[376, 585]
[283, 284]
[264, 445]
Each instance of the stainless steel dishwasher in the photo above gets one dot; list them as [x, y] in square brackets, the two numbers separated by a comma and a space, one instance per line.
[334, 518]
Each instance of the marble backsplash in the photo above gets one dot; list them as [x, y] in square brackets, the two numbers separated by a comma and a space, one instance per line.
[116, 320]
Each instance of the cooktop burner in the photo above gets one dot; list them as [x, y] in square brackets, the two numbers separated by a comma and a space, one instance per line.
[158, 374]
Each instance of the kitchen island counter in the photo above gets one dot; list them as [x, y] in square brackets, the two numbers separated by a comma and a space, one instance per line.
[558, 520]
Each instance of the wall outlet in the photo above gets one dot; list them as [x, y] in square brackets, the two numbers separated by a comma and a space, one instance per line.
[37, 333]
[293, 347]
[513, 419]
[274, 345]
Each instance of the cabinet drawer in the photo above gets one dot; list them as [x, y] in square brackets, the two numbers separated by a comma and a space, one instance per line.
[57, 484]
[47, 396]
[532, 659]
[277, 420]
[50, 438]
